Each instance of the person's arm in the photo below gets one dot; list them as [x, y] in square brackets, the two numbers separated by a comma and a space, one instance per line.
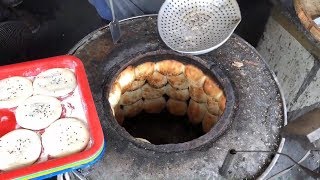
[126, 8]
[102, 9]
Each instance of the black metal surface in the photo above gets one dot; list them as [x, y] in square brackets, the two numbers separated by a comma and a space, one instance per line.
[14, 35]
[227, 163]
[259, 110]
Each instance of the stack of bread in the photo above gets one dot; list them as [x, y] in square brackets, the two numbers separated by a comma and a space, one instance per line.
[41, 130]
[190, 91]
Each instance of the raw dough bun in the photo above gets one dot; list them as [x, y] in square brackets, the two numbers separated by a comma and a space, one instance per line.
[196, 112]
[131, 97]
[170, 67]
[19, 148]
[133, 109]
[208, 122]
[14, 91]
[213, 106]
[212, 89]
[175, 107]
[157, 80]
[144, 70]
[118, 114]
[64, 137]
[55, 82]
[154, 105]
[149, 92]
[125, 78]
[178, 82]
[38, 112]
[114, 94]
[197, 94]
[195, 76]
[136, 85]
[181, 95]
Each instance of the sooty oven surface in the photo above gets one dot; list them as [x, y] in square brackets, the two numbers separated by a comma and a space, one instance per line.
[255, 110]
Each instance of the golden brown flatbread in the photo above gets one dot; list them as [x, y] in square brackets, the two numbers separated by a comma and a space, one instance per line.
[178, 94]
[170, 67]
[196, 111]
[125, 78]
[149, 92]
[213, 106]
[175, 107]
[178, 82]
[136, 85]
[114, 94]
[154, 105]
[133, 109]
[208, 122]
[197, 94]
[144, 70]
[212, 89]
[130, 97]
[157, 80]
[194, 75]
[222, 104]
[143, 140]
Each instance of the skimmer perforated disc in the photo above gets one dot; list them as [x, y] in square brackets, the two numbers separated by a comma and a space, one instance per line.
[197, 26]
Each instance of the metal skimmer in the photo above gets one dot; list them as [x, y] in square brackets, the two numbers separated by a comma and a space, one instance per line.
[197, 26]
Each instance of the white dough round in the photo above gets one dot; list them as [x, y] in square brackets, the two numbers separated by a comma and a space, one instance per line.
[55, 82]
[14, 91]
[64, 137]
[38, 112]
[19, 148]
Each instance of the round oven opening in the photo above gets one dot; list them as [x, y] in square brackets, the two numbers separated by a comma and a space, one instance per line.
[166, 101]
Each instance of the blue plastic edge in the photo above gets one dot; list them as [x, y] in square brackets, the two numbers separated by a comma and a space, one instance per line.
[76, 167]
